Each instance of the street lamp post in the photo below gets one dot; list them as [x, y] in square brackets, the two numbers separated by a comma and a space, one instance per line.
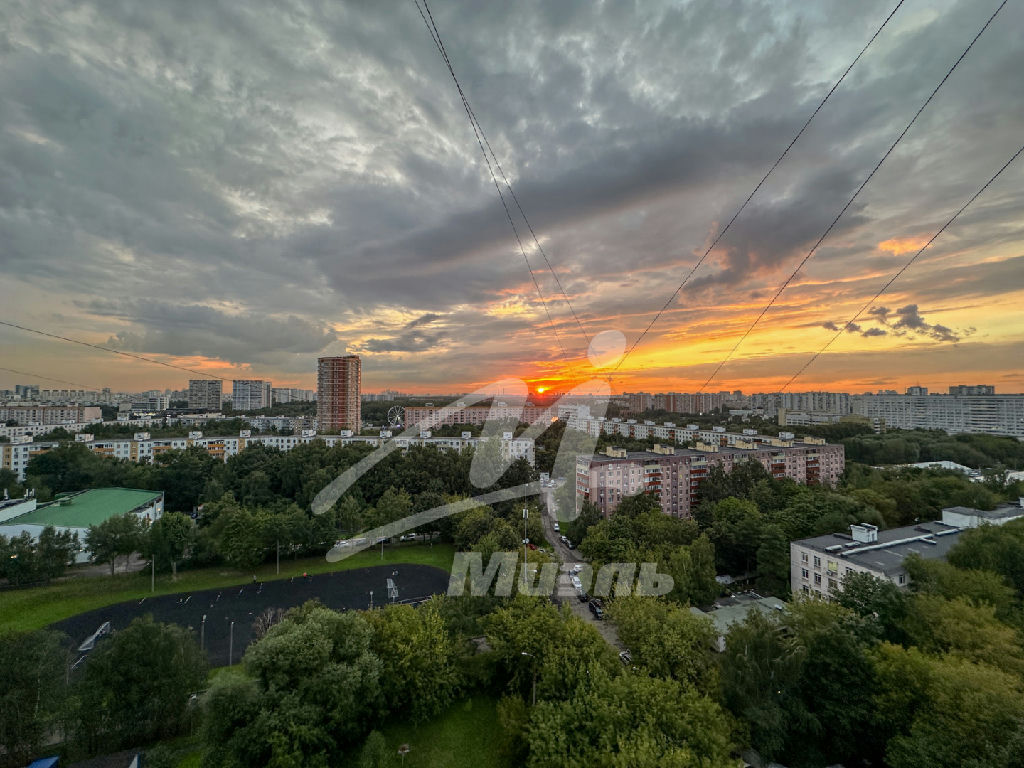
[202, 634]
[526, 515]
[524, 653]
[231, 645]
[371, 599]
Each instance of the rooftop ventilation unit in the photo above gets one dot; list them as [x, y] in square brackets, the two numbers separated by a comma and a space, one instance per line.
[865, 533]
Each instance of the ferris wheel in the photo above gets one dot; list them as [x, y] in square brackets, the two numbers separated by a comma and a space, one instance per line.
[396, 416]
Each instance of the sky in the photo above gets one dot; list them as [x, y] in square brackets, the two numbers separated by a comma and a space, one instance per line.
[239, 188]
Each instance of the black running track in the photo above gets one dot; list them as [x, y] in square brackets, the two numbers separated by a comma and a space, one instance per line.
[341, 590]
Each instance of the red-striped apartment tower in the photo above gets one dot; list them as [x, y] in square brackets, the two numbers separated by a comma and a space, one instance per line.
[338, 381]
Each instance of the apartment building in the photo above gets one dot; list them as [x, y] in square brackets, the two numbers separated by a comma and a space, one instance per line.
[819, 564]
[49, 414]
[954, 413]
[283, 395]
[142, 447]
[207, 394]
[460, 413]
[674, 474]
[250, 394]
[339, 381]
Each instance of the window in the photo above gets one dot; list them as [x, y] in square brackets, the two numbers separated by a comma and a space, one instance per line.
[817, 579]
[803, 557]
[817, 562]
[832, 584]
[805, 573]
[903, 578]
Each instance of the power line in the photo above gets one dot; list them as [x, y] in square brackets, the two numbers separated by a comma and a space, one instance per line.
[107, 349]
[50, 378]
[485, 147]
[764, 178]
[902, 269]
[849, 202]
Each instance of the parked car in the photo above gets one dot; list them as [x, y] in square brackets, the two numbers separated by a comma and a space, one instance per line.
[577, 568]
[597, 610]
[583, 596]
[556, 526]
[569, 544]
[625, 657]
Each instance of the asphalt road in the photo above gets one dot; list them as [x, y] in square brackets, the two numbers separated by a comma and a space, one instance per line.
[565, 592]
[342, 590]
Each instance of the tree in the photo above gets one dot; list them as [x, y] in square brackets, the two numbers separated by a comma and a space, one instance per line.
[668, 641]
[964, 714]
[169, 538]
[692, 569]
[32, 668]
[602, 725]
[999, 549]
[736, 533]
[136, 686]
[878, 601]
[375, 752]
[773, 562]
[419, 676]
[314, 692]
[960, 628]
[942, 578]
[117, 536]
[589, 516]
[55, 551]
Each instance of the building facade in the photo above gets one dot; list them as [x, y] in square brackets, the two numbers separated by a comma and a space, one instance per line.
[338, 383]
[955, 413]
[674, 475]
[819, 564]
[430, 416]
[48, 414]
[250, 394]
[207, 394]
[142, 447]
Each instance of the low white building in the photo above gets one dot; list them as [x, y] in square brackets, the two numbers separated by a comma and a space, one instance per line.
[819, 564]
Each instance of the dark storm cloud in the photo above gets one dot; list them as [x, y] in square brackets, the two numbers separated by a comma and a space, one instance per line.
[198, 330]
[254, 176]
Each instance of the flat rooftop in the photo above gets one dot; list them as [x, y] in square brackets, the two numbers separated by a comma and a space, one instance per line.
[929, 540]
[87, 508]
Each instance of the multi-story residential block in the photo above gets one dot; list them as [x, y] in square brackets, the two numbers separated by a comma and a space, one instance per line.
[292, 395]
[250, 394]
[968, 389]
[460, 413]
[819, 564]
[674, 475]
[49, 415]
[338, 383]
[142, 447]
[207, 394]
[955, 413]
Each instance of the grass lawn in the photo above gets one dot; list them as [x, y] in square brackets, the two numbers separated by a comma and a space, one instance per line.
[23, 610]
[466, 736]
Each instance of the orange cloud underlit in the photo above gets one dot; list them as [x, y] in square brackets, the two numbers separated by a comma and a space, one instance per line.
[900, 245]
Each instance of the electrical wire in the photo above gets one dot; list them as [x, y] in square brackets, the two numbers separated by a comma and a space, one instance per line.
[107, 349]
[902, 269]
[50, 378]
[849, 202]
[764, 178]
[492, 163]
